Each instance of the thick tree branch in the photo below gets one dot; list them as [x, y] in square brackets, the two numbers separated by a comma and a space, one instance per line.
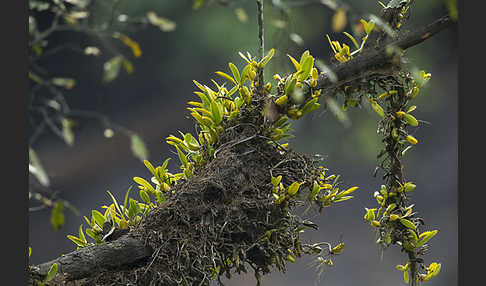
[372, 61]
[414, 38]
[115, 255]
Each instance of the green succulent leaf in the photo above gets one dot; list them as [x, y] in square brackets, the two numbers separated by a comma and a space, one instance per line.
[293, 188]
[217, 112]
[268, 57]
[145, 197]
[408, 223]
[98, 217]
[235, 72]
[144, 183]
[306, 68]
[51, 274]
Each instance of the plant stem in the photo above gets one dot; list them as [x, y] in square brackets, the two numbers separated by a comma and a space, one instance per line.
[261, 44]
[413, 269]
[260, 27]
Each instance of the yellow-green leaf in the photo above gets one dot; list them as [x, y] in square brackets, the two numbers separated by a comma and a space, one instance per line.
[295, 62]
[149, 166]
[98, 217]
[276, 180]
[426, 236]
[306, 68]
[182, 157]
[408, 187]
[77, 241]
[412, 121]
[282, 100]
[57, 215]
[400, 267]
[293, 188]
[234, 70]
[268, 57]
[279, 199]
[341, 199]
[377, 108]
[414, 237]
[51, 274]
[144, 183]
[160, 197]
[216, 111]
[145, 197]
[346, 192]
[406, 150]
[200, 86]
[405, 276]
[244, 57]
[310, 106]
[81, 234]
[370, 214]
[117, 206]
[112, 68]
[303, 57]
[408, 223]
[290, 258]
[352, 39]
[244, 74]
[226, 76]
[138, 147]
[412, 140]
[289, 85]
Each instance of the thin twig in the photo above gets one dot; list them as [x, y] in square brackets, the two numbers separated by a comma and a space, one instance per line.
[260, 28]
[261, 44]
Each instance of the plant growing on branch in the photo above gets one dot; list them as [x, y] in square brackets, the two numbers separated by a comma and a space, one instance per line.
[233, 204]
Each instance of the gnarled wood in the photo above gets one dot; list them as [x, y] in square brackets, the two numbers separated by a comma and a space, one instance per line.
[371, 61]
[122, 253]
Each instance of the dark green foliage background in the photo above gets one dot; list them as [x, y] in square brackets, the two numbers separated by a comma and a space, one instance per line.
[152, 102]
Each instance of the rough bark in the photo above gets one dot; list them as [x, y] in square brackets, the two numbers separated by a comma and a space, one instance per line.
[114, 255]
[375, 60]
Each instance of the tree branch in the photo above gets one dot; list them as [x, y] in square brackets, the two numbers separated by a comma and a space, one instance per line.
[414, 38]
[87, 261]
[372, 61]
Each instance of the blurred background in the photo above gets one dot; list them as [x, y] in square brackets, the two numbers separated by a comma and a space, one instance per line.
[151, 101]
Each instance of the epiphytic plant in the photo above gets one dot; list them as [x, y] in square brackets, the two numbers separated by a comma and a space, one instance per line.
[233, 205]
